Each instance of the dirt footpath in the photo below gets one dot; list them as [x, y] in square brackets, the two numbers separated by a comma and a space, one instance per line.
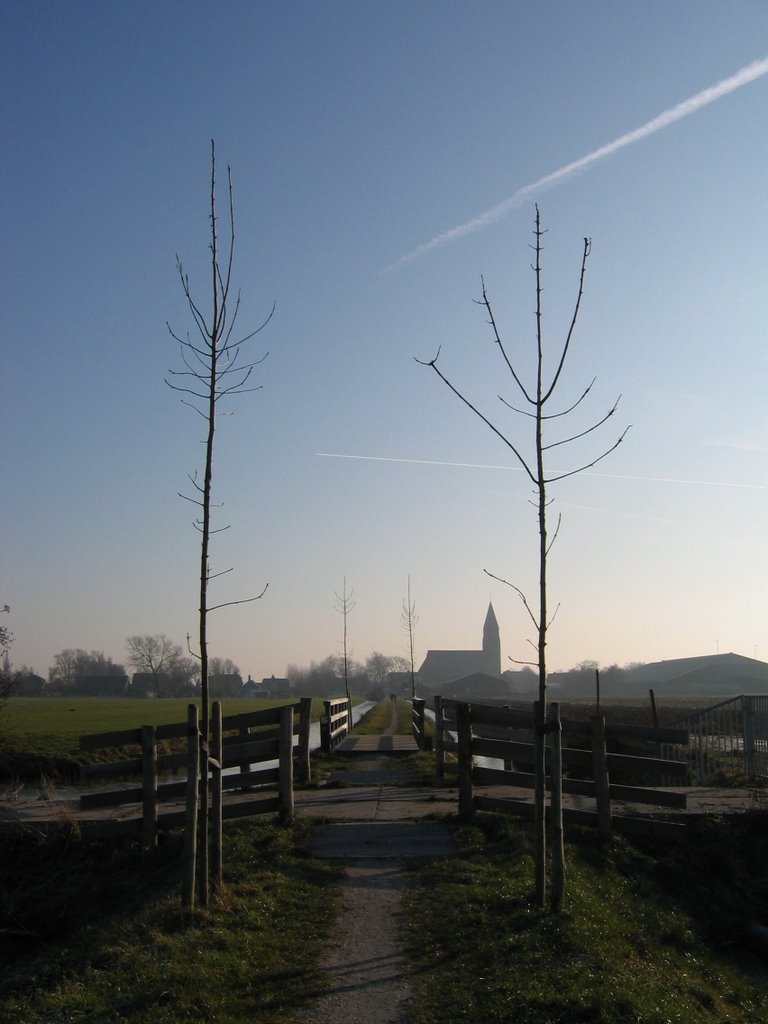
[366, 974]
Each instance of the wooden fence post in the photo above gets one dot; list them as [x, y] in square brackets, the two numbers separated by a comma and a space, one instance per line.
[190, 824]
[243, 735]
[602, 781]
[149, 784]
[325, 728]
[286, 765]
[217, 876]
[417, 722]
[556, 804]
[303, 765]
[464, 738]
[749, 736]
[439, 749]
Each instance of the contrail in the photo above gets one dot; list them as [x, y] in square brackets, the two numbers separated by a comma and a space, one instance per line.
[517, 469]
[747, 74]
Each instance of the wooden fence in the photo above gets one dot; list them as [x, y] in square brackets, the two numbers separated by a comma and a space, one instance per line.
[506, 736]
[248, 743]
[336, 723]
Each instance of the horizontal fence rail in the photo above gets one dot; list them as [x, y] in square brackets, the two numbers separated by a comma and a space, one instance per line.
[251, 743]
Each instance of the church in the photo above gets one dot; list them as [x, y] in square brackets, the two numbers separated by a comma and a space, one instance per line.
[442, 667]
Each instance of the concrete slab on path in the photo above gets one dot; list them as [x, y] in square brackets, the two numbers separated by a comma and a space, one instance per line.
[375, 803]
[378, 840]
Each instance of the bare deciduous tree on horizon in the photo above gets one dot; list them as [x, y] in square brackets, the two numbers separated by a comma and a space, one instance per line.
[344, 604]
[535, 399]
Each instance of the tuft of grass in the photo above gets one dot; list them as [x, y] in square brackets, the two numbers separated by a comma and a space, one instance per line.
[625, 949]
[138, 958]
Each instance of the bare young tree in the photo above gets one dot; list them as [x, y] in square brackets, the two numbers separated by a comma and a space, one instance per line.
[344, 604]
[213, 370]
[536, 399]
[408, 619]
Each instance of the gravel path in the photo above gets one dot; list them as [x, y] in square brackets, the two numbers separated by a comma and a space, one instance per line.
[363, 965]
[367, 980]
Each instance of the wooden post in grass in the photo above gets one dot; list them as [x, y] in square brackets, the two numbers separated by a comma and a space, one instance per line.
[285, 784]
[190, 824]
[556, 804]
[149, 784]
[217, 798]
[464, 740]
[303, 765]
[439, 749]
[243, 736]
[602, 781]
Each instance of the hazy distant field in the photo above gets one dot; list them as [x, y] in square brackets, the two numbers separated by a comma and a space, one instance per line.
[54, 725]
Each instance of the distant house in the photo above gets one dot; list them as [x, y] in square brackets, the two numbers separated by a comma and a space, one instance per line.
[275, 686]
[101, 686]
[225, 685]
[27, 684]
[441, 667]
[477, 686]
[252, 689]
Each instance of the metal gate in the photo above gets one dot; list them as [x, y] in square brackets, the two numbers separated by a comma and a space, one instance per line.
[728, 740]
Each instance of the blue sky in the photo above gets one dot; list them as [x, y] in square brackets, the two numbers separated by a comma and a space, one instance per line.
[358, 132]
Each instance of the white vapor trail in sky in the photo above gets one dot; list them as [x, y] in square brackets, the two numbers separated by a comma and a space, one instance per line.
[517, 469]
[746, 75]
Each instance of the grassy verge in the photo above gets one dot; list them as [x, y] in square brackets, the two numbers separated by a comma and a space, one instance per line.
[139, 960]
[635, 945]
[377, 720]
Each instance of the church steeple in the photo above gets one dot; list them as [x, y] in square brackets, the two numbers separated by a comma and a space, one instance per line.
[491, 643]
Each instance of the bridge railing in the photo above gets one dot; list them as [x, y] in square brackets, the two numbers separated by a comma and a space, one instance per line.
[335, 723]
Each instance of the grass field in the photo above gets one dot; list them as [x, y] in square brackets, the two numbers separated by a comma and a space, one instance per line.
[52, 726]
[647, 936]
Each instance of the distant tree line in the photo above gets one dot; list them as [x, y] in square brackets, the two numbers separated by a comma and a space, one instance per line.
[373, 677]
[159, 667]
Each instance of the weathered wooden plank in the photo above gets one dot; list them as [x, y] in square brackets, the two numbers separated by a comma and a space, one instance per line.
[621, 823]
[504, 718]
[499, 777]
[250, 719]
[617, 731]
[630, 826]
[122, 738]
[253, 750]
[114, 798]
[649, 765]
[520, 808]
[111, 769]
[264, 805]
[252, 779]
